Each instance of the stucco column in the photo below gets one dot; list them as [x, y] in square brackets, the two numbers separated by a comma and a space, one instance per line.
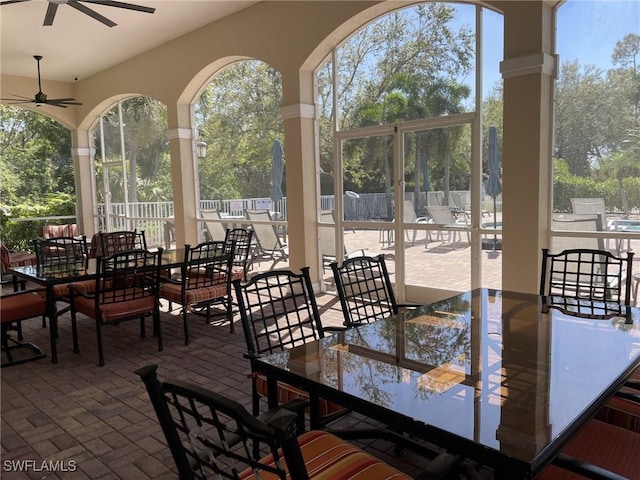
[183, 174]
[528, 71]
[82, 154]
[302, 193]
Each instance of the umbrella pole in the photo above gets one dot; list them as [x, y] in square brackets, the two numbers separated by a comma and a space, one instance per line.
[495, 224]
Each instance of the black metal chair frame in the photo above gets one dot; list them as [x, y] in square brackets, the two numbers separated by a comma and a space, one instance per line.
[206, 266]
[9, 344]
[242, 239]
[58, 255]
[212, 436]
[126, 278]
[120, 241]
[586, 273]
[278, 310]
[365, 289]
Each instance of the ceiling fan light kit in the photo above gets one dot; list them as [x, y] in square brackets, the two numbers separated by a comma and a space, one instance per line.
[79, 5]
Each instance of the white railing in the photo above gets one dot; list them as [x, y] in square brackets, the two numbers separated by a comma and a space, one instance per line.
[155, 218]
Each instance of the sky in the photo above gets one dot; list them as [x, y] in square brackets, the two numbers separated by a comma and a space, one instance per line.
[587, 31]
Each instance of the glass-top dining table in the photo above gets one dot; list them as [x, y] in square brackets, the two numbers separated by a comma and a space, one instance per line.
[53, 275]
[500, 377]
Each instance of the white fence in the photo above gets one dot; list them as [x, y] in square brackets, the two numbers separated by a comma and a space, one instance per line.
[156, 218]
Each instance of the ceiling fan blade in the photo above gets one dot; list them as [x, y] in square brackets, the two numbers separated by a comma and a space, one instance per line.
[16, 100]
[92, 13]
[128, 6]
[61, 105]
[66, 101]
[50, 15]
[9, 2]
[17, 97]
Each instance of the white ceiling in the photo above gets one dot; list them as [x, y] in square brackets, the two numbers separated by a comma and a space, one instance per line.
[78, 46]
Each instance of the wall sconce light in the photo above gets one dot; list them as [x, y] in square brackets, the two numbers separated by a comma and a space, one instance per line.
[201, 149]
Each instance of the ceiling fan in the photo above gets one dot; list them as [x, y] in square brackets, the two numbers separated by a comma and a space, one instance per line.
[79, 5]
[40, 98]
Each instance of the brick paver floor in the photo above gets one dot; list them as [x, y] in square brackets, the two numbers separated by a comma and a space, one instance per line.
[98, 421]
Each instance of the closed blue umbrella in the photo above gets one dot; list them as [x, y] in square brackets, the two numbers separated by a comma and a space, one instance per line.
[277, 170]
[493, 187]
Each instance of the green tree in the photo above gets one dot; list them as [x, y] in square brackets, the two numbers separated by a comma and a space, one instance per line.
[35, 156]
[238, 116]
[402, 67]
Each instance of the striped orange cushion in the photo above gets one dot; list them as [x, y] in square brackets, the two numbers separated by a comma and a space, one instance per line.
[173, 293]
[67, 230]
[604, 445]
[621, 413]
[286, 393]
[61, 292]
[113, 312]
[328, 457]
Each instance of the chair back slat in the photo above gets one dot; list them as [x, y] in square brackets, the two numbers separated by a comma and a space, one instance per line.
[122, 241]
[212, 436]
[365, 289]
[127, 276]
[278, 310]
[61, 254]
[241, 239]
[586, 273]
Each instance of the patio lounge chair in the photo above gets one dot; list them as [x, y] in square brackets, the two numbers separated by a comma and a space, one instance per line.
[443, 216]
[408, 216]
[269, 245]
[596, 206]
[328, 241]
[576, 223]
[215, 230]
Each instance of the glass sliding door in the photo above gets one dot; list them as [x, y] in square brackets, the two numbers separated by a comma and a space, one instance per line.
[436, 204]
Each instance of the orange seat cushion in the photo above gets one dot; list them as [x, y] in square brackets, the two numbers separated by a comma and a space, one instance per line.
[173, 293]
[113, 312]
[20, 307]
[328, 457]
[622, 412]
[61, 292]
[67, 230]
[287, 393]
[613, 448]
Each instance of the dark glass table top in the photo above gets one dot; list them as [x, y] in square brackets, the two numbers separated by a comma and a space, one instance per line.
[64, 273]
[504, 371]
